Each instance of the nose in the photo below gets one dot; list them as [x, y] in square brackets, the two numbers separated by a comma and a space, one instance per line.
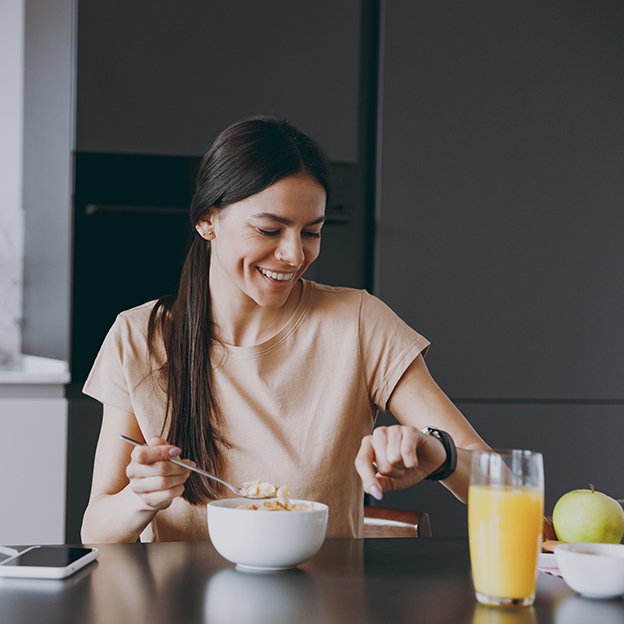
[290, 251]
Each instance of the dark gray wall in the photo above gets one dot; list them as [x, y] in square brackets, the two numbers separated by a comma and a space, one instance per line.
[500, 223]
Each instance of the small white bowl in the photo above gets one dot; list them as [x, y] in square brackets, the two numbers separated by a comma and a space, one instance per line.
[593, 570]
[266, 540]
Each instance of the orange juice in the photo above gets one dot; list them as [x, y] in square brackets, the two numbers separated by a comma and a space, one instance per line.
[505, 528]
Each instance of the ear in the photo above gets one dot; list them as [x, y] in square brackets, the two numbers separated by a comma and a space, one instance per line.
[205, 225]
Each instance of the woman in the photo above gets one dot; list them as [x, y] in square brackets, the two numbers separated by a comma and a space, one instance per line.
[255, 373]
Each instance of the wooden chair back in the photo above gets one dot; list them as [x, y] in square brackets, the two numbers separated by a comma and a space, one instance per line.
[384, 522]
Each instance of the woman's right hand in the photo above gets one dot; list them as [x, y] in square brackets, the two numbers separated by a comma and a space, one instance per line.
[153, 478]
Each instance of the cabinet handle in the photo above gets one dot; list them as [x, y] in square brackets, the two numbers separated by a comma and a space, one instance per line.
[336, 215]
[91, 209]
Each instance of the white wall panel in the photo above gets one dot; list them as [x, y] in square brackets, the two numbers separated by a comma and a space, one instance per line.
[33, 468]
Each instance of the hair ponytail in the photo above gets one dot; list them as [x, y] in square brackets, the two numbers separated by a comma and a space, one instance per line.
[192, 421]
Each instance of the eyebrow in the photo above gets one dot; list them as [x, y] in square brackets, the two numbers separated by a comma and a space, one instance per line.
[273, 217]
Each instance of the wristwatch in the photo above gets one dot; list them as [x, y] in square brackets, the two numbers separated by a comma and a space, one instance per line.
[450, 463]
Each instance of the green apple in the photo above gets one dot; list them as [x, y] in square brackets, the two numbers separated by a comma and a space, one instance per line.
[588, 516]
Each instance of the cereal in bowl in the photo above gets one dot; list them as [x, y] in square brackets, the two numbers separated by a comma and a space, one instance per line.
[281, 502]
[259, 490]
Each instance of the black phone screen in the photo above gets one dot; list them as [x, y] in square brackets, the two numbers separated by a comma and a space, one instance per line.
[49, 557]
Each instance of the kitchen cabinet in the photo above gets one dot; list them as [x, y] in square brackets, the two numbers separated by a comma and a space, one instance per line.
[155, 77]
[33, 462]
[33, 483]
[500, 219]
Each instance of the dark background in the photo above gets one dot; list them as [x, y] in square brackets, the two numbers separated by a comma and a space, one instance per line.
[478, 154]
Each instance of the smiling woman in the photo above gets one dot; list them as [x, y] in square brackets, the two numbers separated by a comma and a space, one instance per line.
[261, 246]
[254, 372]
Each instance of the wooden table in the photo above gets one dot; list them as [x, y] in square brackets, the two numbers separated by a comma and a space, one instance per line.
[422, 580]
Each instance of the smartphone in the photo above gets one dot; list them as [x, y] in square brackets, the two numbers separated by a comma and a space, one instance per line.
[53, 562]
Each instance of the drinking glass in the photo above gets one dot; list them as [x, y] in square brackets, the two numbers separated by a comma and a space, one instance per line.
[505, 520]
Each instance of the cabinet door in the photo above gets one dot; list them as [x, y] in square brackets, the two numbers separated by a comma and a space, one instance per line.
[33, 464]
[500, 219]
[162, 77]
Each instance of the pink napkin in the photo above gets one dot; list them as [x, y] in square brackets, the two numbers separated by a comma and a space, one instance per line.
[547, 563]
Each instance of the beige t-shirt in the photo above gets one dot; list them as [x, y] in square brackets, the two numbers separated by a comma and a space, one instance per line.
[294, 408]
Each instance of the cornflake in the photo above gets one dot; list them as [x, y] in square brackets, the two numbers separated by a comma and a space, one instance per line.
[281, 502]
[258, 490]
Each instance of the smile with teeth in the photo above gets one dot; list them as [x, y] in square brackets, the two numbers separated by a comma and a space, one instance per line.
[280, 277]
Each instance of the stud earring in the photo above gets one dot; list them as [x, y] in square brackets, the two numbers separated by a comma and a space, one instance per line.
[208, 235]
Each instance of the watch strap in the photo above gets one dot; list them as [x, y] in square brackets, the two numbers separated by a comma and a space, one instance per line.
[450, 463]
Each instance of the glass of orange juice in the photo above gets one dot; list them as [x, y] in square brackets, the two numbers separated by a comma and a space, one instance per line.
[505, 519]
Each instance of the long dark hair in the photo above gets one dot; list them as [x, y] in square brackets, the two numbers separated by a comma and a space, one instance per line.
[245, 159]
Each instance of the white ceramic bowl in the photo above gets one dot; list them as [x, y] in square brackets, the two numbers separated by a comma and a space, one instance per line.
[266, 540]
[593, 570]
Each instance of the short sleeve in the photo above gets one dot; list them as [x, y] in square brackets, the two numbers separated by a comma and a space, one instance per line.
[388, 346]
[107, 381]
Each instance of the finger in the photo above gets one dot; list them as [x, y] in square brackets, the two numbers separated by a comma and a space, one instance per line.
[387, 445]
[139, 470]
[174, 451]
[150, 485]
[409, 442]
[157, 450]
[364, 466]
[156, 441]
[161, 499]
[394, 457]
[379, 442]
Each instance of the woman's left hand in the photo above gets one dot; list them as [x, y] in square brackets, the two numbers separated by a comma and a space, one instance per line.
[402, 455]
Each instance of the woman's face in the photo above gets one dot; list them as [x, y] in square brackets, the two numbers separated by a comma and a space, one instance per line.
[263, 244]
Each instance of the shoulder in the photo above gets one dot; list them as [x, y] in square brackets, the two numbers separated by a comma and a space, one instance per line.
[123, 362]
[343, 300]
[334, 298]
[137, 315]
[136, 318]
[130, 328]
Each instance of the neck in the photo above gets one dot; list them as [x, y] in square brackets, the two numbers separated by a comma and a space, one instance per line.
[241, 322]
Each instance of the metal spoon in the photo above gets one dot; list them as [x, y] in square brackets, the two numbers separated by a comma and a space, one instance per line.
[237, 491]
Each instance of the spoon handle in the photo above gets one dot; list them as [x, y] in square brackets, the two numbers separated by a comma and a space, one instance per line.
[205, 474]
[181, 463]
